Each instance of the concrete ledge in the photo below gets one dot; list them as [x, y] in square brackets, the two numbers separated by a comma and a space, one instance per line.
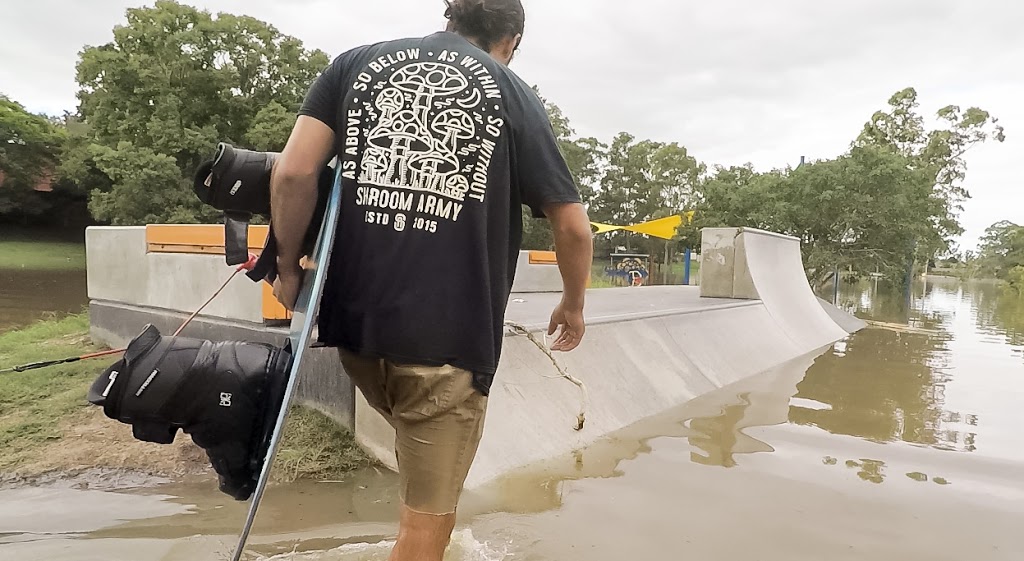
[718, 262]
[116, 264]
[122, 269]
[115, 324]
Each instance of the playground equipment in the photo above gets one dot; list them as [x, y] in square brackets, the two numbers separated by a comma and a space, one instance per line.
[664, 228]
[629, 269]
[635, 269]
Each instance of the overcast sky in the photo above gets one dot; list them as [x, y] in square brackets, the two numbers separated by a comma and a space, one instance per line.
[733, 80]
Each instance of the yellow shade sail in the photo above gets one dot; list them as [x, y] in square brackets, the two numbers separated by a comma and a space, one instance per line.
[664, 228]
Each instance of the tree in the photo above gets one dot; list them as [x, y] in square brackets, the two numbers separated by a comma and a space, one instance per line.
[173, 83]
[863, 210]
[889, 200]
[938, 154]
[30, 146]
[1002, 251]
[642, 181]
[270, 128]
[583, 156]
[740, 196]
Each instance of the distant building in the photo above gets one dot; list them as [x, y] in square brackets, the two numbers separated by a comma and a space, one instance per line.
[44, 184]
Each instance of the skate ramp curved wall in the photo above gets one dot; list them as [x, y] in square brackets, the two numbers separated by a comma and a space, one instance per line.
[769, 267]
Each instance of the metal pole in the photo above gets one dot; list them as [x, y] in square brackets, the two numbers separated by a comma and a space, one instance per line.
[665, 268]
[835, 288]
[686, 267]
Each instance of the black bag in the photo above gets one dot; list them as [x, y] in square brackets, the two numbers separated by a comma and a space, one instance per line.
[226, 396]
[237, 182]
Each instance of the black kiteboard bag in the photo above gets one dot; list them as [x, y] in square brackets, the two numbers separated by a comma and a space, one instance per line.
[237, 182]
[225, 395]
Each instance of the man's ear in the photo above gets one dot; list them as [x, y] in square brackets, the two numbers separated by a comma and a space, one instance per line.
[505, 50]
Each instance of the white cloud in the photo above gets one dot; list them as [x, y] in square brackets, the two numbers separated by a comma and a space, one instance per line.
[733, 80]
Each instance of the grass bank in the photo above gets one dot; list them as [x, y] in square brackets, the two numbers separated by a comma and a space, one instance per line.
[41, 255]
[46, 425]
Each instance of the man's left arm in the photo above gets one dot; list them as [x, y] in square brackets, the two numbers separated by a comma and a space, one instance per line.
[293, 197]
[294, 186]
[294, 181]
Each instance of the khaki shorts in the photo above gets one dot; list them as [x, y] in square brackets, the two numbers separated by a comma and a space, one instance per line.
[438, 418]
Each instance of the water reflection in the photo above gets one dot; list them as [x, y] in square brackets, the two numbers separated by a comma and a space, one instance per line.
[876, 386]
[714, 425]
[1000, 312]
[883, 389]
[717, 436]
[881, 385]
[933, 389]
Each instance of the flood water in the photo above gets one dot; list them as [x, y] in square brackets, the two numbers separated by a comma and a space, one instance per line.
[42, 275]
[892, 445]
[27, 296]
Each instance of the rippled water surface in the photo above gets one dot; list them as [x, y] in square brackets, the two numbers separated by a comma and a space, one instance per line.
[901, 443]
[27, 296]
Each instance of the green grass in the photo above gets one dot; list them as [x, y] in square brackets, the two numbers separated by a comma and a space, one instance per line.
[315, 447]
[41, 255]
[34, 405]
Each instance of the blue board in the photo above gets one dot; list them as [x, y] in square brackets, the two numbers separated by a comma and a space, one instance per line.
[303, 320]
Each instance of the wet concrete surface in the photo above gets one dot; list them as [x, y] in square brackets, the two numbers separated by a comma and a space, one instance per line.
[886, 446]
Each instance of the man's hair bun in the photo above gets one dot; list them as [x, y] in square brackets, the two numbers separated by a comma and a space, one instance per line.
[487, 21]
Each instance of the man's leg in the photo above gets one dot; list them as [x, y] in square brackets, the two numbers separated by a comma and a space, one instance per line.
[439, 418]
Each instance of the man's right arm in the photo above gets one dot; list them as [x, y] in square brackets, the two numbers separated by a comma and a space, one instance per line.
[574, 249]
[547, 187]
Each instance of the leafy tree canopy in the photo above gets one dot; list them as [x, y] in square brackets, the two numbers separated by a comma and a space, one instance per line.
[30, 146]
[173, 83]
[176, 80]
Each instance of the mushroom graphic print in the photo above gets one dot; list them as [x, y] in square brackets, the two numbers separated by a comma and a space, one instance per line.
[431, 128]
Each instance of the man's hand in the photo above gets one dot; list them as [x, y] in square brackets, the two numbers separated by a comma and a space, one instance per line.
[574, 247]
[570, 319]
[287, 286]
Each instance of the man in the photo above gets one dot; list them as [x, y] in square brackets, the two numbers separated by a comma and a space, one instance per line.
[440, 145]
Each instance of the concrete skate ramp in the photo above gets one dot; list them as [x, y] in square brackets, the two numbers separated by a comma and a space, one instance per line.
[633, 367]
[776, 269]
[647, 350]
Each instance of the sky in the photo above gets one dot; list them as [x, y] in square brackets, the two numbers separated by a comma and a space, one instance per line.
[735, 81]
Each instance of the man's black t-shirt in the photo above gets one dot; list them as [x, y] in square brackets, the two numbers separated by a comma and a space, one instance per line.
[439, 146]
